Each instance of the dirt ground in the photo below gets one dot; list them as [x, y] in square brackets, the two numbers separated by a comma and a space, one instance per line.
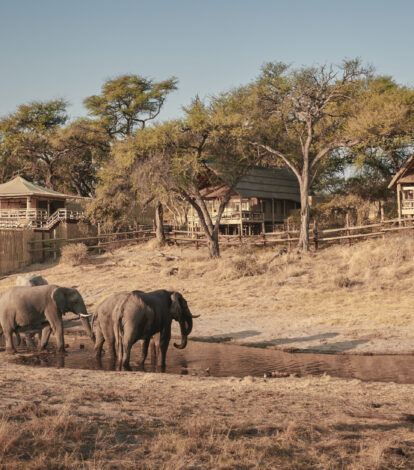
[341, 299]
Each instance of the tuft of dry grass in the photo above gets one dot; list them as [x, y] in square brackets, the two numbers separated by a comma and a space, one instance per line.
[74, 254]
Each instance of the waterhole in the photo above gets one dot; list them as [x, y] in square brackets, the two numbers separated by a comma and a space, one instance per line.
[222, 360]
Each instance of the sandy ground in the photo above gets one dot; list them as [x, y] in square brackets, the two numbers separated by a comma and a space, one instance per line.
[296, 305]
[61, 418]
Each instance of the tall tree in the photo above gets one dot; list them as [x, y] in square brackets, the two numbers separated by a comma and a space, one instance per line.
[37, 142]
[185, 157]
[301, 118]
[26, 138]
[129, 102]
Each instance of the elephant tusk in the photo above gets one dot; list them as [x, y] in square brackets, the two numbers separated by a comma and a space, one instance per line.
[196, 316]
[85, 315]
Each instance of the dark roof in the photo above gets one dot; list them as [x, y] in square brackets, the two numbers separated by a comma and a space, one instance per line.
[260, 182]
[270, 183]
[19, 187]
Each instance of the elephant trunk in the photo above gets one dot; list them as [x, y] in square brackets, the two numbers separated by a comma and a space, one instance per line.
[84, 318]
[184, 333]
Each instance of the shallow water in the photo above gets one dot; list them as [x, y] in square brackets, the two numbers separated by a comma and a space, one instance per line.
[222, 360]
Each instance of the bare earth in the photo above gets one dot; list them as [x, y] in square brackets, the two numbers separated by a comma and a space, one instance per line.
[341, 299]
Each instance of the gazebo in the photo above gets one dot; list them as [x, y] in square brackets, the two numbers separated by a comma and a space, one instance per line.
[25, 204]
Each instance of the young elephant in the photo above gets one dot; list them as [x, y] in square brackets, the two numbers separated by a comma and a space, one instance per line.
[31, 308]
[142, 315]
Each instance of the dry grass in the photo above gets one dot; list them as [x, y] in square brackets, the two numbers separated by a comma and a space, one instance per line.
[67, 420]
[74, 254]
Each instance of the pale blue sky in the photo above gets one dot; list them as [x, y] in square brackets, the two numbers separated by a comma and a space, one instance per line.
[67, 48]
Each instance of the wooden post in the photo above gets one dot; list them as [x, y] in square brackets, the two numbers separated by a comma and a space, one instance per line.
[241, 219]
[347, 219]
[399, 202]
[196, 241]
[54, 246]
[273, 215]
[264, 238]
[288, 234]
[99, 238]
[315, 235]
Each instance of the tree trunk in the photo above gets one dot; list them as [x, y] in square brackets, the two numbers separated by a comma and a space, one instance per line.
[159, 224]
[213, 246]
[303, 244]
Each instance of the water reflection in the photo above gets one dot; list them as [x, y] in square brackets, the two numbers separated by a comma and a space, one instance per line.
[223, 360]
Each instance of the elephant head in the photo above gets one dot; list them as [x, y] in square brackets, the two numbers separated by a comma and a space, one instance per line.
[70, 300]
[180, 312]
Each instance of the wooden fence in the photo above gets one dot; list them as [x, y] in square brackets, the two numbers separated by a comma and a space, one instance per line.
[19, 248]
[290, 238]
[99, 242]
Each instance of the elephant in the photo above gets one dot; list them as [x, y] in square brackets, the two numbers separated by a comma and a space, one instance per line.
[31, 280]
[140, 315]
[102, 323]
[33, 308]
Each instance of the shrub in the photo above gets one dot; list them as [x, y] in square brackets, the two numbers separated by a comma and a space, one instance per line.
[74, 254]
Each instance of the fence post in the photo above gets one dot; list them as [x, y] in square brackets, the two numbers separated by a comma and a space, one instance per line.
[264, 239]
[348, 232]
[288, 234]
[315, 234]
[196, 241]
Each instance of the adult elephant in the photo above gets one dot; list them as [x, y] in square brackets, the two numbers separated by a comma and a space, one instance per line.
[140, 315]
[33, 308]
[103, 323]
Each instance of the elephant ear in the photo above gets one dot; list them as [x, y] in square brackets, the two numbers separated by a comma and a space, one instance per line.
[61, 297]
[175, 308]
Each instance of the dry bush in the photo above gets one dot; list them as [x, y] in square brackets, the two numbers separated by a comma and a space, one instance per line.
[74, 254]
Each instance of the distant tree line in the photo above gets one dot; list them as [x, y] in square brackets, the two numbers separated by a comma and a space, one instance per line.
[318, 121]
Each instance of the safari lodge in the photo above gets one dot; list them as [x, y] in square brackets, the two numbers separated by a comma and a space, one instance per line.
[27, 205]
[403, 182]
[262, 200]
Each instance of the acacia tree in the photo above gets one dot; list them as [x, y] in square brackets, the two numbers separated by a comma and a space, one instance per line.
[129, 102]
[37, 142]
[126, 104]
[301, 118]
[184, 157]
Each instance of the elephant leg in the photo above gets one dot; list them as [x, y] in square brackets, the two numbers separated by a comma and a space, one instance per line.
[127, 346]
[99, 341]
[10, 349]
[145, 344]
[155, 348]
[163, 347]
[30, 341]
[60, 340]
[45, 337]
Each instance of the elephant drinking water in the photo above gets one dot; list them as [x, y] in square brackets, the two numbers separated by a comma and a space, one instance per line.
[32, 308]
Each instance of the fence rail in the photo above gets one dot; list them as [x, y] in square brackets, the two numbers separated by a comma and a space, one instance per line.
[289, 238]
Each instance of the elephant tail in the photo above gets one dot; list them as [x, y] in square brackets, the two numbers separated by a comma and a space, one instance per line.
[119, 331]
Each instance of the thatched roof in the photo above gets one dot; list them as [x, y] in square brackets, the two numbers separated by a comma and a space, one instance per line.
[260, 182]
[405, 175]
[19, 187]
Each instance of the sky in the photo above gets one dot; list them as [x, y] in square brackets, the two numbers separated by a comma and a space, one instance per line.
[67, 48]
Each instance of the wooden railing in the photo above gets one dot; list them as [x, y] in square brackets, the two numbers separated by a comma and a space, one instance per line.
[288, 238]
[31, 214]
[35, 218]
[97, 242]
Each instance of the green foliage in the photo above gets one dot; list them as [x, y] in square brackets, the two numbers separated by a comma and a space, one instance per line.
[129, 101]
[35, 143]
